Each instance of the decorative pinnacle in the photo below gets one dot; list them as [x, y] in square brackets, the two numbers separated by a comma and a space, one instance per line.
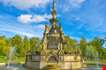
[54, 13]
[54, 4]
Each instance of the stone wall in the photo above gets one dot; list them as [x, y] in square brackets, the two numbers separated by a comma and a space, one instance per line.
[32, 65]
[71, 62]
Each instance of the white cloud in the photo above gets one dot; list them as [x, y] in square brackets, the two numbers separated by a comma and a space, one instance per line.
[76, 3]
[40, 18]
[25, 4]
[27, 18]
[69, 5]
[23, 31]
[11, 27]
[16, 31]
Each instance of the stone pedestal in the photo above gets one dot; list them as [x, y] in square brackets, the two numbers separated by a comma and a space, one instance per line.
[33, 61]
[68, 62]
[71, 62]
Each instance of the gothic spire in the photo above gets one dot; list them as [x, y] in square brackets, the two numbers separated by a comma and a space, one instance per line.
[54, 14]
[54, 4]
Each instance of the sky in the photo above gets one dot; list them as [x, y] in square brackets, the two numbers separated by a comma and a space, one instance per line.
[79, 18]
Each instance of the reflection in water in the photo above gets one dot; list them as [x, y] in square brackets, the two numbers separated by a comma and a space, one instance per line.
[20, 67]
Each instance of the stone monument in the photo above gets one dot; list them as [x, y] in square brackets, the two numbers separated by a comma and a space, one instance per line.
[53, 49]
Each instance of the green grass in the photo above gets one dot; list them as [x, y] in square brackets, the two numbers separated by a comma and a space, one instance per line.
[103, 62]
[20, 59]
[3, 59]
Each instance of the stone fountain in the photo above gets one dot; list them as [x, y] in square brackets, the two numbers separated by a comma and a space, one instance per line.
[52, 52]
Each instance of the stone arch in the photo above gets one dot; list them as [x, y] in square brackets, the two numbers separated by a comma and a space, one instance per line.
[53, 59]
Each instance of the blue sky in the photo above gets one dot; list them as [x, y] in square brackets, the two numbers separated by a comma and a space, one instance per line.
[79, 18]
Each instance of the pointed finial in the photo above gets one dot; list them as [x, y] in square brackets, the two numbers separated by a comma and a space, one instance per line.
[54, 4]
[46, 28]
[54, 14]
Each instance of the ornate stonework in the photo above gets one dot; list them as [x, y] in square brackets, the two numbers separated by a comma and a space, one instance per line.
[53, 49]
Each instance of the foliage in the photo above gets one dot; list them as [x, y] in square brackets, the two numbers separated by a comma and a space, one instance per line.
[83, 45]
[87, 49]
[97, 43]
[22, 44]
[70, 45]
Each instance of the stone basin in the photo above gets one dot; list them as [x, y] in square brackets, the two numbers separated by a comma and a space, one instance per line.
[21, 67]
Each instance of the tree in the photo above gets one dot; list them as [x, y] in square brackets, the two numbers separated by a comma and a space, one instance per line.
[34, 44]
[71, 44]
[90, 52]
[26, 45]
[83, 45]
[98, 43]
[104, 53]
[4, 45]
[18, 43]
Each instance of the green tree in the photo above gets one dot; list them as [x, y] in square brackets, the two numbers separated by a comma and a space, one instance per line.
[34, 44]
[4, 45]
[70, 46]
[83, 45]
[98, 45]
[18, 43]
[25, 46]
[91, 53]
[104, 54]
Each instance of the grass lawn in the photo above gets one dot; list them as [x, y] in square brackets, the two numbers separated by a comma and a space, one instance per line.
[20, 60]
[103, 62]
[3, 59]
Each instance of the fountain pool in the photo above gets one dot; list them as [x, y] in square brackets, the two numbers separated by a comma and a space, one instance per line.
[20, 67]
